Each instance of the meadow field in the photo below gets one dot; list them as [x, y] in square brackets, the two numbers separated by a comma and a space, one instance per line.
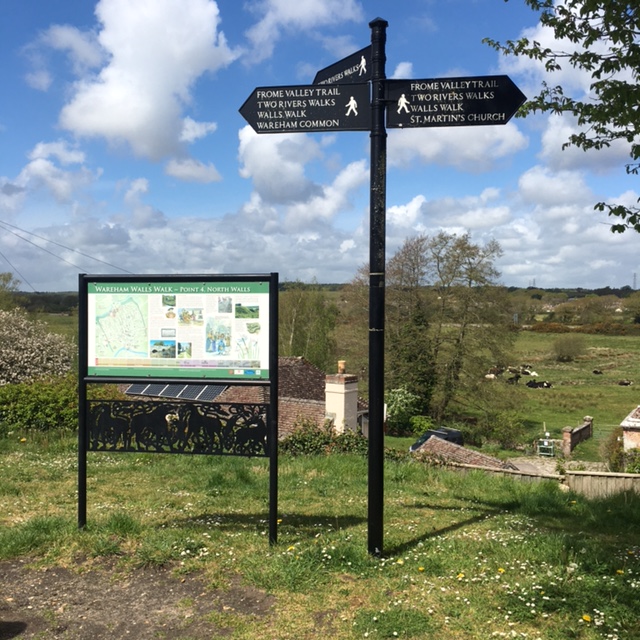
[576, 391]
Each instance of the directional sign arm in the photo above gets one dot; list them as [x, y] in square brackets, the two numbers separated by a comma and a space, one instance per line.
[307, 108]
[350, 70]
[451, 102]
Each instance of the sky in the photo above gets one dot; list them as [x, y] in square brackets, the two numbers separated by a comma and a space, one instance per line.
[122, 149]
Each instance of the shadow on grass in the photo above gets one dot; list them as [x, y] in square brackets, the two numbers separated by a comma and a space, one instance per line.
[435, 532]
[303, 524]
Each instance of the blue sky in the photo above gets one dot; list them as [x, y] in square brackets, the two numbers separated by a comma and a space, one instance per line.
[122, 148]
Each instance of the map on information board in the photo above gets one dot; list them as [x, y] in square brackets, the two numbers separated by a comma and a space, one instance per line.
[178, 329]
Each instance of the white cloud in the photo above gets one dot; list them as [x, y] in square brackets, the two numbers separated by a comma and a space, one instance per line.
[332, 200]
[403, 70]
[42, 171]
[472, 149]
[59, 150]
[191, 170]
[276, 165]
[283, 15]
[469, 213]
[157, 50]
[557, 132]
[141, 216]
[82, 47]
[542, 186]
[40, 79]
[192, 130]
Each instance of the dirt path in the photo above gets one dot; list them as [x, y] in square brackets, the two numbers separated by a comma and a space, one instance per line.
[57, 603]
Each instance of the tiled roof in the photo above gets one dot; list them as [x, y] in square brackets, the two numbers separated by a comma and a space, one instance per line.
[298, 378]
[451, 452]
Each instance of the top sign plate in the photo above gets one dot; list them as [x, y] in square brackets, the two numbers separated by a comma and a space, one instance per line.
[350, 70]
[451, 102]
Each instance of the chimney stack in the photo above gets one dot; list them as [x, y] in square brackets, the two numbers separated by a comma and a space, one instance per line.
[341, 399]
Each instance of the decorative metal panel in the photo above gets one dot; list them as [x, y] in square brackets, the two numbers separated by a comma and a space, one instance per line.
[170, 427]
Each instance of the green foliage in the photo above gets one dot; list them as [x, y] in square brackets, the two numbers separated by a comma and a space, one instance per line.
[504, 427]
[420, 424]
[632, 461]
[307, 439]
[30, 351]
[569, 347]
[8, 291]
[402, 405]
[310, 439]
[410, 361]
[612, 451]
[307, 319]
[42, 406]
[603, 37]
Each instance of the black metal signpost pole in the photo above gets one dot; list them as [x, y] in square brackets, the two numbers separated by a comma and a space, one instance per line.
[377, 285]
[272, 437]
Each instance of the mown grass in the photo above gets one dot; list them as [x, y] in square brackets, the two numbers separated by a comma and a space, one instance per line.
[466, 556]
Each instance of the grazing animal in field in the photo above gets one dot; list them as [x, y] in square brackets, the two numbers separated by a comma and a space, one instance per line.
[625, 383]
[597, 372]
[491, 376]
[542, 384]
[514, 379]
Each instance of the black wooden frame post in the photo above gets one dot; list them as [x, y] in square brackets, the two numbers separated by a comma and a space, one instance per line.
[377, 230]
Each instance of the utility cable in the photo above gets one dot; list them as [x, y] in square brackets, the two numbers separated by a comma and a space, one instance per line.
[4, 225]
[23, 279]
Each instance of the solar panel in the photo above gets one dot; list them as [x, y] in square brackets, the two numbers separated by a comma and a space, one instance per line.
[204, 392]
[137, 389]
[154, 389]
[192, 391]
[172, 391]
[210, 392]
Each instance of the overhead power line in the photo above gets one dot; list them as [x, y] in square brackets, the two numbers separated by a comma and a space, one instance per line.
[13, 268]
[7, 226]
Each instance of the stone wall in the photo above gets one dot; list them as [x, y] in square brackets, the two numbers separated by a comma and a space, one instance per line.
[572, 437]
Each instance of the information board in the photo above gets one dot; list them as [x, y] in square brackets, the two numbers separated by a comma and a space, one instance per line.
[184, 328]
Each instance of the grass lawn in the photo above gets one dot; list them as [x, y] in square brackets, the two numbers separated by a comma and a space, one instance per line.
[466, 556]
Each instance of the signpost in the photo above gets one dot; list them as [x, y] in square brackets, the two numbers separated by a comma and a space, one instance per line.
[305, 108]
[353, 68]
[338, 102]
[452, 102]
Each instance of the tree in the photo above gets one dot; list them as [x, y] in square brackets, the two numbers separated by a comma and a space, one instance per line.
[447, 319]
[603, 40]
[470, 325]
[632, 306]
[307, 319]
[8, 288]
[410, 361]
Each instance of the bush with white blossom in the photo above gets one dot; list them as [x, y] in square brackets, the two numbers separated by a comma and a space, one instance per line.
[29, 351]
